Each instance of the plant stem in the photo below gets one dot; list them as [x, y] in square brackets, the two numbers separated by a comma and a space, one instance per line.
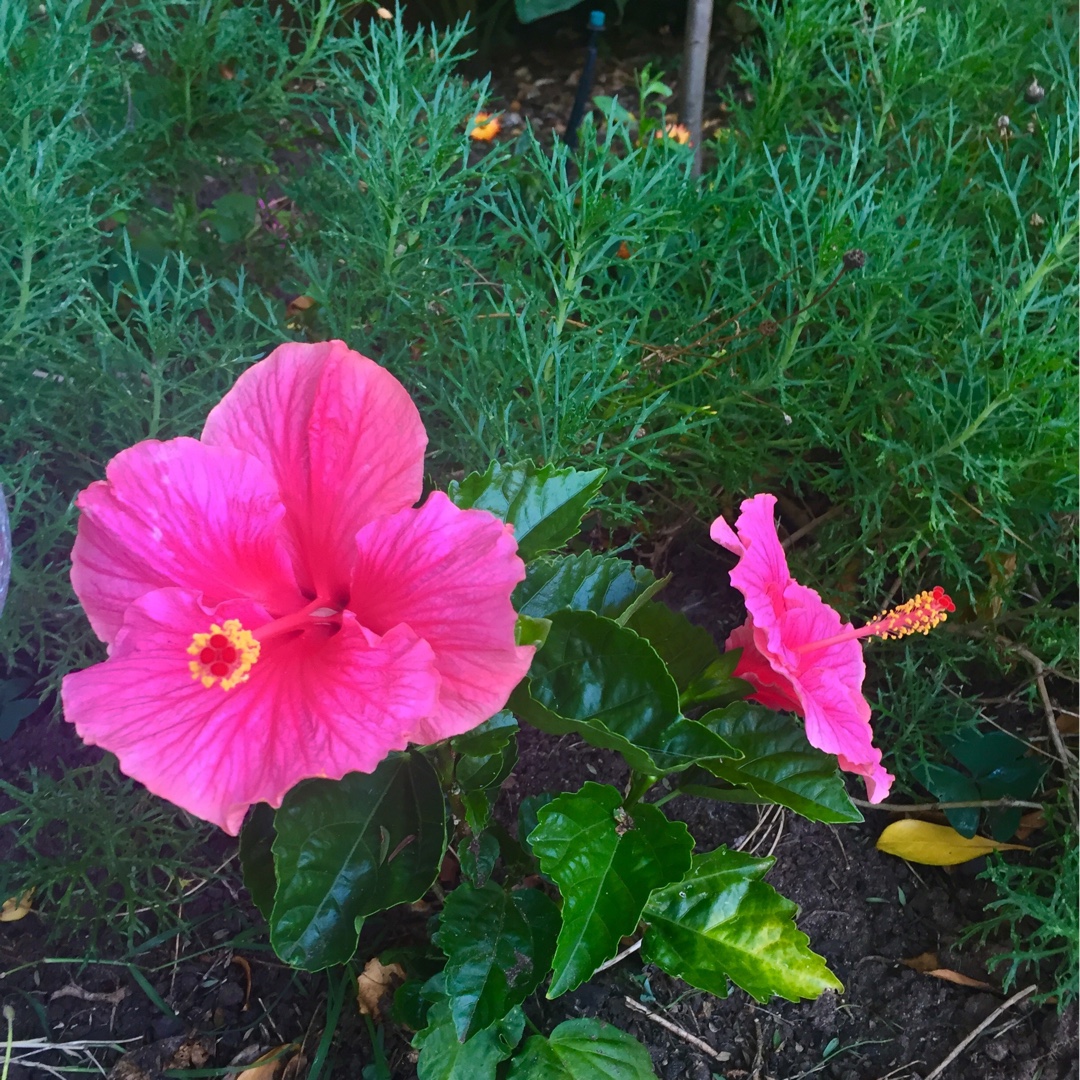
[639, 784]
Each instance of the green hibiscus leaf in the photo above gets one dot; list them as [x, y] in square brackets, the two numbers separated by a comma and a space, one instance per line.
[723, 922]
[688, 650]
[498, 947]
[703, 674]
[490, 737]
[477, 855]
[544, 505]
[606, 683]
[584, 582]
[348, 848]
[481, 772]
[583, 1050]
[778, 764]
[445, 1057]
[606, 862]
[257, 858]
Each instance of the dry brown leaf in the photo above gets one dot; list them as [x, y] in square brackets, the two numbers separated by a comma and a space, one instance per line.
[936, 845]
[1031, 822]
[245, 967]
[113, 997]
[259, 1064]
[17, 907]
[961, 980]
[924, 962]
[374, 983]
[299, 304]
[1068, 723]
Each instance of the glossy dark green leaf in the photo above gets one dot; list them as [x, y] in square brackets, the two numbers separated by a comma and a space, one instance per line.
[491, 736]
[606, 863]
[257, 858]
[721, 921]
[607, 684]
[779, 765]
[348, 848]
[528, 813]
[688, 650]
[474, 772]
[584, 582]
[477, 855]
[498, 947]
[545, 505]
[950, 785]
[583, 1050]
[477, 806]
[444, 1057]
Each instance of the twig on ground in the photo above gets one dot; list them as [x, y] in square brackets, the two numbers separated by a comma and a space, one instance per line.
[964, 804]
[759, 1052]
[966, 1042]
[620, 957]
[682, 1033]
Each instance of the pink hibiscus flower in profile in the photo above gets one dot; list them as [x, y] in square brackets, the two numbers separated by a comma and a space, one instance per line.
[798, 653]
[274, 604]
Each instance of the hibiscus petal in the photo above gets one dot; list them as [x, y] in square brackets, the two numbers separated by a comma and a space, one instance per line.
[771, 688]
[762, 571]
[315, 705]
[180, 513]
[448, 574]
[343, 440]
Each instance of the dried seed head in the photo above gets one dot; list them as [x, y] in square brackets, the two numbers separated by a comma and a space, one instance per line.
[768, 327]
[1034, 92]
[1004, 126]
[138, 51]
[855, 259]
[1036, 221]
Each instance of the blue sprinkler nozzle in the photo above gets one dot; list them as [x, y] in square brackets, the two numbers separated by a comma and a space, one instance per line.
[596, 20]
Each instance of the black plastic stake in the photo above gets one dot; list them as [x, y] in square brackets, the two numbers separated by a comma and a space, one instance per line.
[585, 83]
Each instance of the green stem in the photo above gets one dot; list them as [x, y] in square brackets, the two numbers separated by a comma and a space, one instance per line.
[639, 784]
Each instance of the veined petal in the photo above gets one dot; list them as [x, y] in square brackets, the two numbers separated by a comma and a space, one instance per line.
[319, 704]
[343, 440]
[771, 688]
[179, 513]
[448, 575]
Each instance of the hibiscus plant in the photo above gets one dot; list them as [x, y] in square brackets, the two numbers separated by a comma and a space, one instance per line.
[302, 655]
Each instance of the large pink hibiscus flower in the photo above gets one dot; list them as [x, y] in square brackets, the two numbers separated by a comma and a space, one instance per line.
[798, 653]
[274, 605]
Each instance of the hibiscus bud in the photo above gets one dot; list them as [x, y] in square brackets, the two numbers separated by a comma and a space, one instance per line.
[855, 259]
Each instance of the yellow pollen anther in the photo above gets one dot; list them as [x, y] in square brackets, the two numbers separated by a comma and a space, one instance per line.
[918, 615]
[224, 654]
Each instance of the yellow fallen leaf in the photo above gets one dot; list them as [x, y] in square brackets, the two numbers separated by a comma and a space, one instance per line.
[18, 907]
[374, 983]
[936, 845]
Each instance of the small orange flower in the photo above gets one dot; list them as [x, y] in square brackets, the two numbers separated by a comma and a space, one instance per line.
[623, 251]
[679, 133]
[484, 127]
